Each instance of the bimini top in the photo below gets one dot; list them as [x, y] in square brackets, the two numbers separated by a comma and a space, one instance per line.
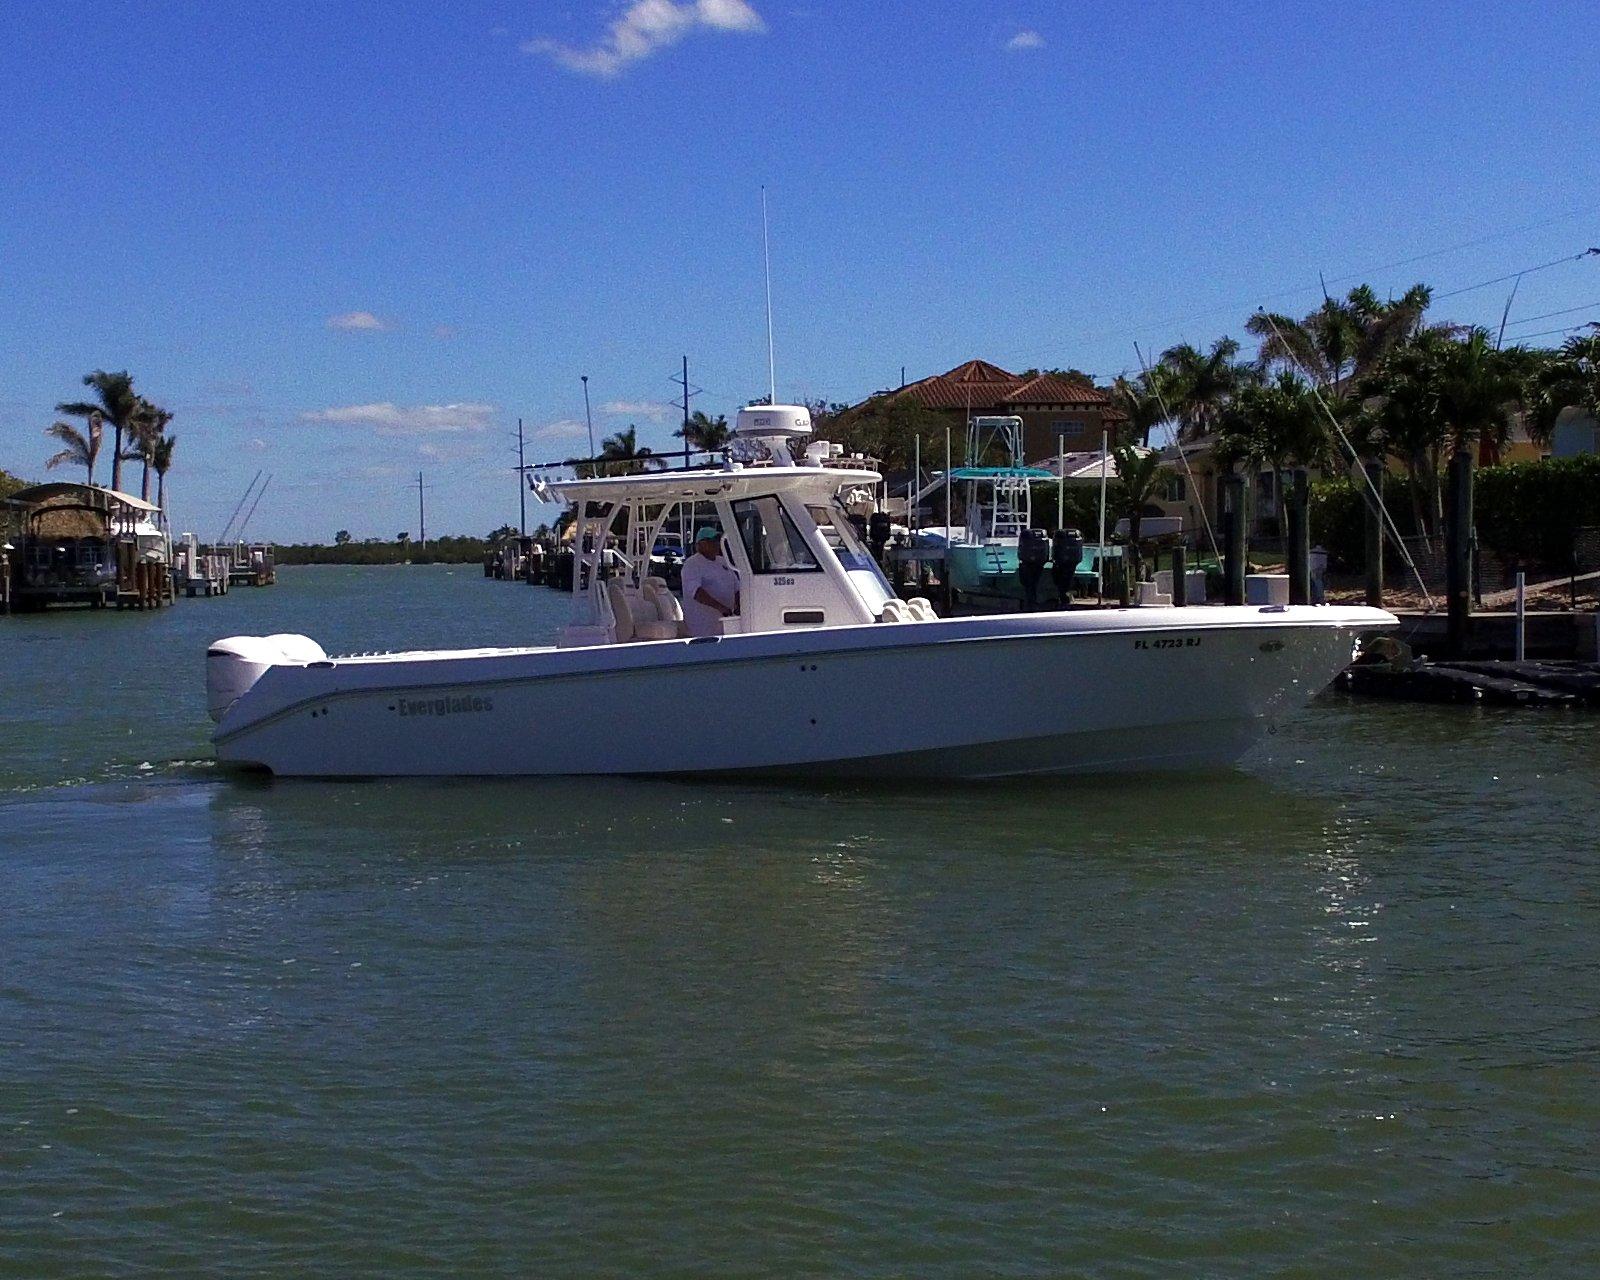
[90, 495]
[1002, 473]
[680, 486]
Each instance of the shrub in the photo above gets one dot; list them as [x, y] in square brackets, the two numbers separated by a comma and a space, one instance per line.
[1531, 510]
[1339, 517]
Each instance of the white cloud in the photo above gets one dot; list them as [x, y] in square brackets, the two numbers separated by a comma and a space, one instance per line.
[561, 429]
[646, 26]
[358, 322]
[444, 332]
[1025, 39]
[257, 445]
[654, 410]
[389, 419]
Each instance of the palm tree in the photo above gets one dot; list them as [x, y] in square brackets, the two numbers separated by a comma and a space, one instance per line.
[118, 405]
[1478, 389]
[708, 435]
[1440, 393]
[1138, 477]
[622, 454]
[1568, 378]
[82, 447]
[1272, 426]
[1200, 383]
[1143, 401]
[161, 460]
[148, 424]
[1343, 339]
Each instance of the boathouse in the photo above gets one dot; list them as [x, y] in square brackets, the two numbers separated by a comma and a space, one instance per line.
[84, 544]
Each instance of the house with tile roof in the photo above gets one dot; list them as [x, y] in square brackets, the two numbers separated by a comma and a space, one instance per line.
[1057, 410]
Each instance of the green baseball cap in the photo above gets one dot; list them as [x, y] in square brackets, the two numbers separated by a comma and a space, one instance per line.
[707, 534]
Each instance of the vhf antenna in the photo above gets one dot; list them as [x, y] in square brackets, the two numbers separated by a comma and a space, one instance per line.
[766, 256]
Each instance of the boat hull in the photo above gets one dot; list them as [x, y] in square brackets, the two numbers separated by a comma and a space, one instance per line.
[970, 698]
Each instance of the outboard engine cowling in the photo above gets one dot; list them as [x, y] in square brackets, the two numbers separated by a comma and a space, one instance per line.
[1066, 554]
[878, 533]
[233, 665]
[1033, 550]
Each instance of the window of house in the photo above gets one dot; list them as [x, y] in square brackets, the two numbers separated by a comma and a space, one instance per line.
[770, 539]
[1177, 489]
[1070, 429]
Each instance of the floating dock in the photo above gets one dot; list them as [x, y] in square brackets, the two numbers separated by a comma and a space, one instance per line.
[1521, 684]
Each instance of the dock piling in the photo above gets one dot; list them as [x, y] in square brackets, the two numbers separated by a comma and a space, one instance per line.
[1458, 551]
[1234, 542]
[1297, 508]
[1180, 579]
[1374, 530]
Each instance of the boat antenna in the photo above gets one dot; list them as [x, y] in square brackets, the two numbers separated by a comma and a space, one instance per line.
[766, 258]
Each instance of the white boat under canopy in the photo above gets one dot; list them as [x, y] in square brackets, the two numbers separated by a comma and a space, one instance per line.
[822, 672]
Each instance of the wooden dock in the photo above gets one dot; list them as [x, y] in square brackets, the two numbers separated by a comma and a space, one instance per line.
[1519, 684]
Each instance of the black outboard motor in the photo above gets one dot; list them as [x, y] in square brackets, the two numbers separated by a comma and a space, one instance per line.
[1033, 551]
[1066, 554]
[878, 533]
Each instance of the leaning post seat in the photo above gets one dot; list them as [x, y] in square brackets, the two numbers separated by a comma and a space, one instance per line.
[668, 621]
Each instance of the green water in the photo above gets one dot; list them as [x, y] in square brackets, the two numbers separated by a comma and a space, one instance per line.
[1336, 1013]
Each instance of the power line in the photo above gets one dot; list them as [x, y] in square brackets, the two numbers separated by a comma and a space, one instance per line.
[1517, 275]
[1172, 321]
[1545, 333]
[1547, 315]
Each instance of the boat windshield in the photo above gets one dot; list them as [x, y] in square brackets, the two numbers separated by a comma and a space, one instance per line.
[834, 523]
[770, 538]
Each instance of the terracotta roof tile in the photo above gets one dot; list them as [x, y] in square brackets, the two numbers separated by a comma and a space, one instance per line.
[1051, 389]
[984, 386]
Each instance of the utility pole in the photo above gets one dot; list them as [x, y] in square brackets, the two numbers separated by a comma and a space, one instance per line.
[522, 488]
[684, 382]
[586, 415]
[422, 514]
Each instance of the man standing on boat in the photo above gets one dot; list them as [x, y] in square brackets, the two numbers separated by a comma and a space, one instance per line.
[710, 586]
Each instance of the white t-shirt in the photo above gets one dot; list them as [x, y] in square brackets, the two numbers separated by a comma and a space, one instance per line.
[721, 582]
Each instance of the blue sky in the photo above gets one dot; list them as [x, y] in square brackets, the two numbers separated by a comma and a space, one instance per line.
[345, 241]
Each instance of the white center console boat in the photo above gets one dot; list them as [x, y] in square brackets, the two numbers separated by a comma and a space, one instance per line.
[823, 671]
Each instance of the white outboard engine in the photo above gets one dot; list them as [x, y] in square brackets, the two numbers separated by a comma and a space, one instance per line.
[770, 433]
[236, 663]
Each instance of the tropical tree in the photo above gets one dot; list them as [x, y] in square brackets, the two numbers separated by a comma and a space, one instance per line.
[81, 447]
[1444, 391]
[118, 404]
[891, 428]
[145, 429]
[708, 435]
[10, 484]
[622, 454]
[1273, 426]
[1342, 340]
[1479, 388]
[161, 463]
[1143, 401]
[1139, 476]
[1566, 379]
[341, 537]
[1200, 383]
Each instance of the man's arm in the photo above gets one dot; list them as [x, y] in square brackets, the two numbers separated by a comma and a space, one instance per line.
[711, 602]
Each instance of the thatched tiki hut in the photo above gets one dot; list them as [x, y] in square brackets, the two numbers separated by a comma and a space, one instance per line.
[83, 544]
